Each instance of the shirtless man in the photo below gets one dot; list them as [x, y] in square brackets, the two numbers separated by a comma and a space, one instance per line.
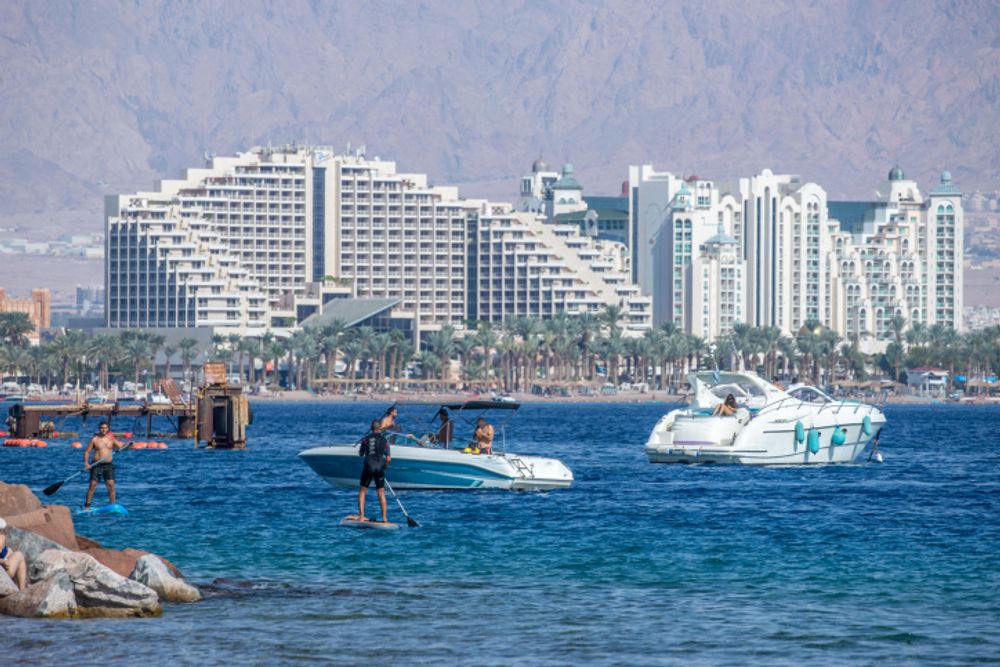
[483, 435]
[101, 445]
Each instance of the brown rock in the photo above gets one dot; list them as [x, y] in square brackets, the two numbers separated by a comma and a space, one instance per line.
[53, 522]
[16, 499]
[83, 543]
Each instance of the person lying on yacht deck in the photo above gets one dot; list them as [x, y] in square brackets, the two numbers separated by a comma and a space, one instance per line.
[727, 408]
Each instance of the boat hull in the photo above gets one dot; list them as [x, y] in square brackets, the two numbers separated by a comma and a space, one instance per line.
[433, 468]
[771, 443]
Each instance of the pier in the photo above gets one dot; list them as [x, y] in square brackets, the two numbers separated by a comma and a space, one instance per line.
[218, 414]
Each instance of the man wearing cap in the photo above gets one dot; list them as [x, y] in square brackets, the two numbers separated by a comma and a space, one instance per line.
[12, 561]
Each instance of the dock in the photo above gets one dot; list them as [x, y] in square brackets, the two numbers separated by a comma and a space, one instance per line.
[218, 414]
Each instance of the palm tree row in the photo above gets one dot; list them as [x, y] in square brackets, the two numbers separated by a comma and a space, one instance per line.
[515, 356]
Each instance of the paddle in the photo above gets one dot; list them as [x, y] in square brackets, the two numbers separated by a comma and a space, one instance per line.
[410, 521]
[49, 490]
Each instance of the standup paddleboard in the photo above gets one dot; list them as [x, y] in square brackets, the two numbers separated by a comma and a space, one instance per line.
[352, 521]
[116, 510]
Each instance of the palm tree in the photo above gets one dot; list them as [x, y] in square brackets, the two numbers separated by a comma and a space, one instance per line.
[105, 349]
[188, 347]
[15, 328]
[379, 345]
[136, 349]
[352, 351]
[168, 352]
[249, 347]
[487, 338]
[330, 337]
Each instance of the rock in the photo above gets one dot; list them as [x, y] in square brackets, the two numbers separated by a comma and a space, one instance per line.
[84, 543]
[7, 585]
[153, 572]
[120, 562]
[50, 598]
[53, 521]
[16, 499]
[31, 544]
[99, 591]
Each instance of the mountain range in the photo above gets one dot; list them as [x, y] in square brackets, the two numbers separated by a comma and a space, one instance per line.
[104, 97]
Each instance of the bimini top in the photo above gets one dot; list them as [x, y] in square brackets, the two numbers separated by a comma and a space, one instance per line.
[711, 387]
[473, 405]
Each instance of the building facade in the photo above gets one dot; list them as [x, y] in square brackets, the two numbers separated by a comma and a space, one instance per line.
[38, 308]
[851, 266]
[267, 238]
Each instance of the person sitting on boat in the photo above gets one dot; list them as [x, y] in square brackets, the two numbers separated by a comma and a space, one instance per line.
[388, 422]
[375, 448]
[727, 408]
[482, 438]
[11, 560]
[446, 433]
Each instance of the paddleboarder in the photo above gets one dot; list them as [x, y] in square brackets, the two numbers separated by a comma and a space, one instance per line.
[101, 446]
[375, 448]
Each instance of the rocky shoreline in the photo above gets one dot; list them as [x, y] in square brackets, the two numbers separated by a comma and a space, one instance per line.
[72, 576]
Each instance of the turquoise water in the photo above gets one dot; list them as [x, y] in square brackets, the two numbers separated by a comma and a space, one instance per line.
[635, 564]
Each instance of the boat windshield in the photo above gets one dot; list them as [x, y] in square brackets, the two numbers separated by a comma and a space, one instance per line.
[808, 394]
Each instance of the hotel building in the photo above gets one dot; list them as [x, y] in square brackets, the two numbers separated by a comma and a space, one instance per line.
[851, 266]
[267, 238]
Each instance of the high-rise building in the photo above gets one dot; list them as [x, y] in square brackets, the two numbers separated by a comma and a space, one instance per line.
[851, 266]
[268, 237]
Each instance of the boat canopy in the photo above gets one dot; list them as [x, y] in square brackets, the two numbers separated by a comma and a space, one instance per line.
[473, 405]
[711, 387]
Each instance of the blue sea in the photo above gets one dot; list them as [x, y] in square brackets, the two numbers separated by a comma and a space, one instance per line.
[636, 564]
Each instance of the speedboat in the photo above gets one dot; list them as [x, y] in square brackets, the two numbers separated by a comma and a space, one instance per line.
[418, 464]
[771, 426]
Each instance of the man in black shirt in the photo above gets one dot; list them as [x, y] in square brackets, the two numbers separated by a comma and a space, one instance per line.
[375, 449]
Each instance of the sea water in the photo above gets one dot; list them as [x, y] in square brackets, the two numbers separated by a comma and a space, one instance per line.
[869, 563]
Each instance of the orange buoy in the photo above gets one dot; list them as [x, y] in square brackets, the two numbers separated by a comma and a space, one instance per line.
[139, 445]
[127, 434]
[76, 445]
[41, 444]
[163, 445]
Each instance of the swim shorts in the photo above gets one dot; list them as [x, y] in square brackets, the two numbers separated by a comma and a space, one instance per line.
[103, 471]
[367, 475]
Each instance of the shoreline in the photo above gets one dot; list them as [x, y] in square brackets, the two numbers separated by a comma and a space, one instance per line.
[301, 395]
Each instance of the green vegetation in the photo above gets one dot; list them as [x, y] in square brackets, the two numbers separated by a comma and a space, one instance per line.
[522, 353]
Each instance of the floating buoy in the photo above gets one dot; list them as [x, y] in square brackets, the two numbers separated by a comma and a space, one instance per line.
[813, 443]
[139, 445]
[839, 436]
[163, 445]
[800, 432]
[76, 445]
[127, 434]
[866, 425]
[55, 434]
[41, 444]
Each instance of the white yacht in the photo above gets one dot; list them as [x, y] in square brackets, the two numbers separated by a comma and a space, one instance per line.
[770, 426]
[418, 464]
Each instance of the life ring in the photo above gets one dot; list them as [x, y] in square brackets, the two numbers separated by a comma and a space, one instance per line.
[839, 436]
[800, 432]
[866, 425]
[813, 442]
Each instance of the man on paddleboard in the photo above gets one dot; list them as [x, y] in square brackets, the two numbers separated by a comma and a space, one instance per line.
[375, 448]
[101, 446]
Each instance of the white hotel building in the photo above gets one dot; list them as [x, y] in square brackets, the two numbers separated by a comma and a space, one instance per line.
[266, 238]
[793, 256]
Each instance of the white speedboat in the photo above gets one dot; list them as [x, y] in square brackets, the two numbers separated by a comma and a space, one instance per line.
[427, 466]
[771, 426]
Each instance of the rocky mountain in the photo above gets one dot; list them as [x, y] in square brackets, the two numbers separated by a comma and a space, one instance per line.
[101, 96]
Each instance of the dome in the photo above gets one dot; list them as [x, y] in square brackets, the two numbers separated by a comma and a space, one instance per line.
[539, 165]
[896, 174]
[945, 178]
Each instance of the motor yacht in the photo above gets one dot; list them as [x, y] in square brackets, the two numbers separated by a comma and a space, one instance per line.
[417, 463]
[770, 426]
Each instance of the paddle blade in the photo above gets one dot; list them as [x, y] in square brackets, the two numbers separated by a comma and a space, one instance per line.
[411, 522]
[49, 490]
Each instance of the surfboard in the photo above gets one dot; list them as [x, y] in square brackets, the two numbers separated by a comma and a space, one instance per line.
[352, 521]
[115, 510]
